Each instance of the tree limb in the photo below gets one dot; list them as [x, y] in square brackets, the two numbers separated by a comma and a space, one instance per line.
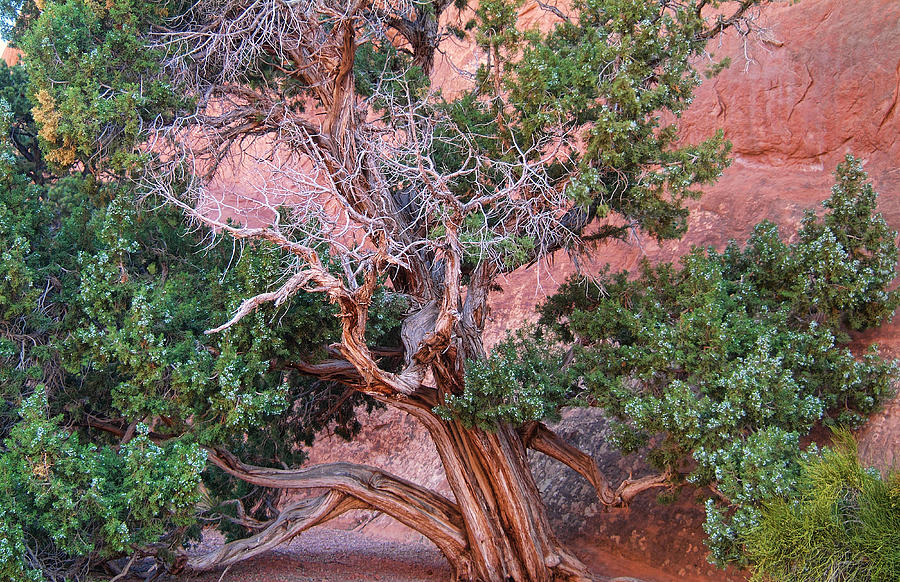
[540, 438]
[353, 306]
[337, 370]
[423, 510]
[723, 23]
[293, 520]
[282, 294]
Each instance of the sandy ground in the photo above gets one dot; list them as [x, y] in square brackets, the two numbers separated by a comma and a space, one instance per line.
[330, 555]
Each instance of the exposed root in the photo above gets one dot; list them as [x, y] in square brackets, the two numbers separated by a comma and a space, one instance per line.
[425, 511]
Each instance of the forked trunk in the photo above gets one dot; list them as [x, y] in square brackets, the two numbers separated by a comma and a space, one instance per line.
[508, 533]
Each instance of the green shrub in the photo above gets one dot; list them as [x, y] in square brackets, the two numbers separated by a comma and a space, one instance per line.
[843, 524]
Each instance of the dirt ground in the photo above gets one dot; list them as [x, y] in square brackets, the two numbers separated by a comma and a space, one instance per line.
[330, 555]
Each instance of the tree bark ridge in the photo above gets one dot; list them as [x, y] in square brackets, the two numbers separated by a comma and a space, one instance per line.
[423, 510]
[506, 525]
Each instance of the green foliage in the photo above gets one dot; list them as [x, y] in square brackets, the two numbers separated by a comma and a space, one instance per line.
[112, 85]
[518, 383]
[724, 363]
[79, 502]
[613, 71]
[19, 125]
[591, 102]
[841, 523]
[849, 256]
[380, 67]
[103, 306]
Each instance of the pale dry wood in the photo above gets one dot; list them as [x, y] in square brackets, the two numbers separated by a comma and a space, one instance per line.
[282, 294]
[433, 515]
[292, 521]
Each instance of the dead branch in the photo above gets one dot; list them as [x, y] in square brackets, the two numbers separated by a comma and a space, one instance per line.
[290, 287]
[293, 520]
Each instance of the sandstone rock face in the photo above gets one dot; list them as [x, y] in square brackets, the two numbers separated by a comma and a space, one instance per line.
[824, 82]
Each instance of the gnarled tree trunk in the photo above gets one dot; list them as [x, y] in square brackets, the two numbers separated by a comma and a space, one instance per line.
[508, 533]
[497, 529]
[507, 530]
[378, 194]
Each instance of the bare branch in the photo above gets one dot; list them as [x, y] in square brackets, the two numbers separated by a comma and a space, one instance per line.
[290, 287]
[337, 370]
[739, 19]
[126, 569]
[553, 10]
[293, 520]
[540, 438]
[433, 515]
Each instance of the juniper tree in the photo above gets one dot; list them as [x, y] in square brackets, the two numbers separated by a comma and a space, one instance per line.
[363, 184]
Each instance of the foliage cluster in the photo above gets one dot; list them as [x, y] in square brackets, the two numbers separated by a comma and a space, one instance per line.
[67, 505]
[612, 70]
[112, 87]
[596, 84]
[720, 367]
[520, 382]
[102, 312]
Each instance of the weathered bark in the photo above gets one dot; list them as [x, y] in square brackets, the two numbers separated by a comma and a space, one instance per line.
[349, 486]
[497, 531]
[292, 521]
[429, 513]
[504, 532]
[507, 530]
